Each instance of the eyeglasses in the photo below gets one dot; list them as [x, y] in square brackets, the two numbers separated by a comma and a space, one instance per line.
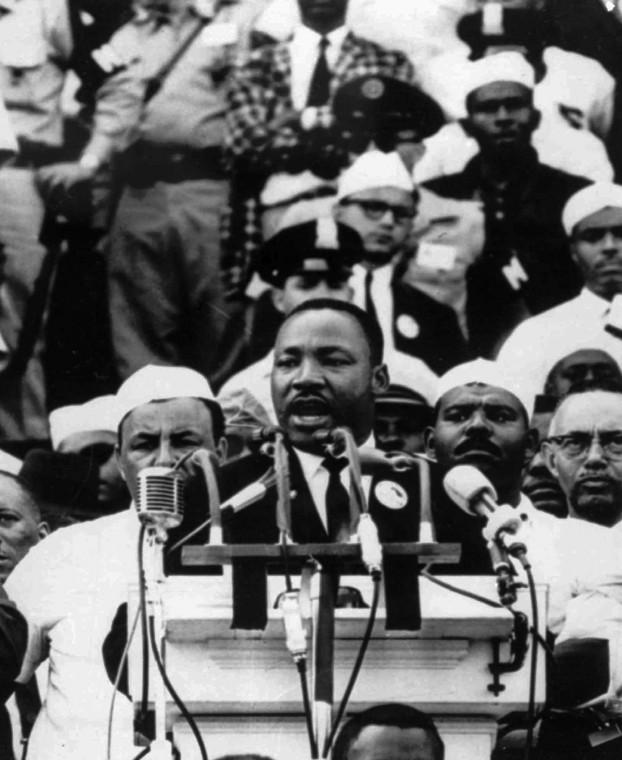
[375, 210]
[576, 445]
[596, 234]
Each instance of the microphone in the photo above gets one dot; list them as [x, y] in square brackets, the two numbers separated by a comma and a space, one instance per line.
[471, 490]
[248, 495]
[160, 498]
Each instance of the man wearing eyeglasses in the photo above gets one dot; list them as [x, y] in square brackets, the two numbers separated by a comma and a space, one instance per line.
[584, 451]
[377, 197]
[592, 219]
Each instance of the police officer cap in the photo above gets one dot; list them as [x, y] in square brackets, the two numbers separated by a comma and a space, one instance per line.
[379, 102]
[588, 201]
[500, 67]
[321, 245]
[497, 26]
[486, 372]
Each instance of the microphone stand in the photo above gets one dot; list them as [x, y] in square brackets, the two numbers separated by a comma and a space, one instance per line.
[156, 534]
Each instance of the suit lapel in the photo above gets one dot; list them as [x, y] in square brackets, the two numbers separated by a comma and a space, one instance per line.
[282, 68]
[345, 62]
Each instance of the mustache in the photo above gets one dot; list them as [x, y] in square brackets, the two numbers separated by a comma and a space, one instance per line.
[477, 443]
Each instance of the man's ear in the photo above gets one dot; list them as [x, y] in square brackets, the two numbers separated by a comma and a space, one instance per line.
[43, 530]
[278, 295]
[379, 379]
[548, 452]
[221, 449]
[117, 459]
[429, 443]
[536, 118]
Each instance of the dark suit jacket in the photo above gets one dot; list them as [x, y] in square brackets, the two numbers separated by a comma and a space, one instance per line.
[524, 221]
[438, 341]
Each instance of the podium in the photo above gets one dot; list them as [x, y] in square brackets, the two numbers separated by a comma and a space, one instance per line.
[243, 688]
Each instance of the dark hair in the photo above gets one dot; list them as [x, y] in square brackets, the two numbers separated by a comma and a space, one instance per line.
[395, 715]
[218, 418]
[28, 495]
[369, 326]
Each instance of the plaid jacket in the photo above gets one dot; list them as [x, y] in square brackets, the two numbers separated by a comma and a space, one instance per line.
[259, 93]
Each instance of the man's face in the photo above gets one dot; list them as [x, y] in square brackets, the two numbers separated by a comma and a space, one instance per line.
[303, 287]
[383, 217]
[161, 433]
[400, 427]
[99, 446]
[502, 116]
[392, 743]
[322, 377]
[584, 366]
[589, 474]
[483, 426]
[323, 12]
[539, 483]
[19, 527]
[597, 249]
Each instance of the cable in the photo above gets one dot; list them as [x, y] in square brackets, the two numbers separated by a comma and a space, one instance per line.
[461, 591]
[171, 690]
[301, 667]
[144, 689]
[357, 665]
[141, 754]
[531, 707]
[125, 654]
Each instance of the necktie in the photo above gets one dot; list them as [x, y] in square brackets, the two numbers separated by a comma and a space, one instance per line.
[337, 501]
[370, 307]
[319, 89]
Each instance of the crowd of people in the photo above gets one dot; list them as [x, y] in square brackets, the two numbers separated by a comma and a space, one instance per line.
[220, 216]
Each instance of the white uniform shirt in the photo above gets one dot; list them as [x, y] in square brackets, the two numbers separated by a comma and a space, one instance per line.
[304, 50]
[68, 588]
[539, 342]
[575, 151]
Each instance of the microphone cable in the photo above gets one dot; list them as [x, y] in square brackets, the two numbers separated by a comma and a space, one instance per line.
[533, 665]
[123, 661]
[376, 577]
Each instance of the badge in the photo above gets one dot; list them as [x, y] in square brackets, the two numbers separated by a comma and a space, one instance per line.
[221, 33]
[373, 89]
[391, 494]
[407, 326]
[436, 255]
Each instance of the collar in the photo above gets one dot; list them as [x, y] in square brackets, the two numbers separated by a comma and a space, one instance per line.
[307, 38]
[311, 463]
[593, 302]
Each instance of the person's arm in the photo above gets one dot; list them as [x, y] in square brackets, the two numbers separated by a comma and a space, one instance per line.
[13, 641]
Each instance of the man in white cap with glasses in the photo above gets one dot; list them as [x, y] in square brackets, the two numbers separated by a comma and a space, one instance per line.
[592, 219]
[70, 588]
[377, 197]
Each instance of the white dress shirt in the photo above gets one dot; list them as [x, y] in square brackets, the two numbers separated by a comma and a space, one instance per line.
[317, 478]
[304, 50]
[538, 343]
[68, 588]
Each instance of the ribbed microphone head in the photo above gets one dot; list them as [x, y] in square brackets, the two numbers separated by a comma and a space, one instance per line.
[160, 498]
[465, 484]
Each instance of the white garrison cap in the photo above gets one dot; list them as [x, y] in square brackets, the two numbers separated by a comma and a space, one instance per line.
[160, 383]
[499, 67]
[488, 373]
[412, 373]
[374, 169]
[101, 413]
[588, 201]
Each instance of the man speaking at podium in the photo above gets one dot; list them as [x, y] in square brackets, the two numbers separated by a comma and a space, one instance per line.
[327, 372]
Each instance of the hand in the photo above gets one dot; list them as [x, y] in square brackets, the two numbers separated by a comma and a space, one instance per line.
[62, 178]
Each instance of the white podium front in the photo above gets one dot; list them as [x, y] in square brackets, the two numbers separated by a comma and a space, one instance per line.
[243, 687]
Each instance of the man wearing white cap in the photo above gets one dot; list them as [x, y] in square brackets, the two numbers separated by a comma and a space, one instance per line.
[90, 430]
[525, 265]
[69, 587]
[592, 219]
[376, 197]
[482, 419]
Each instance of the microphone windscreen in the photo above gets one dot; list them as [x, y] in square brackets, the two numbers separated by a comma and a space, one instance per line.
[465, 485]
[160, 497]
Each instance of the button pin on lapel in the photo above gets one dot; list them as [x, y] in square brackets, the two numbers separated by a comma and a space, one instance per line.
[391, 494]
[407, 326]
